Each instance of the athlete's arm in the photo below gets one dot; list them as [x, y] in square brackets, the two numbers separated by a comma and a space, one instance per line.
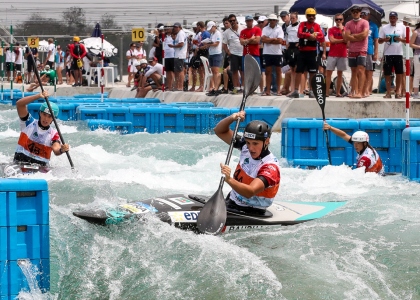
[256, 186]
[337, 132]
[22, 103]
[222, 129]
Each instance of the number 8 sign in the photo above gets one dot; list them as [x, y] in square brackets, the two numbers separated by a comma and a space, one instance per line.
[33, 42]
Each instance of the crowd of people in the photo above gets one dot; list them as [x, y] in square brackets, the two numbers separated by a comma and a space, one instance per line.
[289, 53]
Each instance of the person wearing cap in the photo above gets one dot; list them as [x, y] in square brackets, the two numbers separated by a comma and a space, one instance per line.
[132, 57]
[31, 55]
[37, 138]
[195, 60]
[10, 61]
[372, 52]
[18, 61]
[250, 38]
[202, 51]
[215, 57]
[150, 77]
[392, 35]
[256, 179]
[234, 50]
[272, 38]
[169, 57]
[140, 51]
[324, 49]
[367, 156]
[285, 17]
[261, 23]
[292, 54]
[309, 34]
[415, 45]
[180, 47]
[356, 34]
[48, 75]
[78, 52]
[337, 57]
[50, 57]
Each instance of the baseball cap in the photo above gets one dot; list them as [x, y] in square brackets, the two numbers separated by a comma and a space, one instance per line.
[47, 67]
[283, 13]
[194, 24]
[247, 18]
[210, 24]
[365, 10]
[177, 24]
[262, 18]
[152, 58]
[356, 8]
[142, 61]
[272, 17]
[393, 14]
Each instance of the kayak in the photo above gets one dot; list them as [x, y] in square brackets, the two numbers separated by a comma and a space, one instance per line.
[18, 170]
[182, 212]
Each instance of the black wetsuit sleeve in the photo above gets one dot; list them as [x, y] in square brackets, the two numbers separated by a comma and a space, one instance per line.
[264, 180]
[350, 141]
[25, 118]
[239, 142]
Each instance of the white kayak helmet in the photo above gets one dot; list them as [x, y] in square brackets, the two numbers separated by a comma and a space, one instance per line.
[360, 136]
[12, 171]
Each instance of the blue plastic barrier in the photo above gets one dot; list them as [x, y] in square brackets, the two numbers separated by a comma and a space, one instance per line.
[216, 115]
[119, 113]
[411, 153]
[140, 100]
[24, 234]
[266, 114]
[97, 95]
[100, 124]
[142, 117]
[192, 104]
[195, 119]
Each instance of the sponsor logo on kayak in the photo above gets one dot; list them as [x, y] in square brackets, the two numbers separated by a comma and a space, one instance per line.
[234, 228]
[146, 206]
[184, 216]
[169, 203]
[181, 200]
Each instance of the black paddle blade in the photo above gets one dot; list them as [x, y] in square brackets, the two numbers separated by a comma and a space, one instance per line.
[320, 90]
[252, 75]
[212, 217]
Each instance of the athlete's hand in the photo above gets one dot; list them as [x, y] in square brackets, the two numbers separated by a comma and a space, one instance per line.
[44, 94]
[64, 148]
[327, 126]
[240, 114]
[225, 170]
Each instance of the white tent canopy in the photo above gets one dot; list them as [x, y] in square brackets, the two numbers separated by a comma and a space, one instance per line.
[410, 9]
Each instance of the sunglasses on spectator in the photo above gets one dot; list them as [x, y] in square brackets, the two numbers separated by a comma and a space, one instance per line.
[355, 11]
[338, 19]
[260, 22]
[272, 20]
[234, 20]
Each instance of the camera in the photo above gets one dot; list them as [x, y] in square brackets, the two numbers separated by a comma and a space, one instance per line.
[392, 38]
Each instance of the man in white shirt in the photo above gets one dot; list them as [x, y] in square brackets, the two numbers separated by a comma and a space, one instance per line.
[131, 56]
[393, 35]
[272, 37]
[169, 57]
[51, 54]
[152, 77]
[234, 50]
[180, 47]
[18, 59]
[10, 61]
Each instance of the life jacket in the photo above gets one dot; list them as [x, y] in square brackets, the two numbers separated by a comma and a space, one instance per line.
[35, 142]
[77, 49]
[376, 165]
[304, 42]
[247, 170]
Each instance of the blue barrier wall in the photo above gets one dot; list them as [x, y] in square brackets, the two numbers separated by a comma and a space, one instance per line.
[24, 234]
[411, 153]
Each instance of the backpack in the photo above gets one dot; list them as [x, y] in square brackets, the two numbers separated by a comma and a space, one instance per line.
[345, 87]
[77, 50]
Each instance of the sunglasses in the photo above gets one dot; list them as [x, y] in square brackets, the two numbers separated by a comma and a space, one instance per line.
[355, 11]
[260, 22]
[339, 19]
[234, 20]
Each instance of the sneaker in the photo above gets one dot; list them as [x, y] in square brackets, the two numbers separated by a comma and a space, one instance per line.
[302, 95]
[223, 91]
[295, 94]
[211, 93]
[240, 91]
[311, 94]
[235, 91]
[416, 96]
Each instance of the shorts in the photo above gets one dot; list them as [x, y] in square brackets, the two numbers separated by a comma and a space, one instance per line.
[131, 69]
[257, 58]
[60, 65]
[195, 62]
[273, 60]
[31, 67]
[9, 66]
[235, 63]
[320, 61]
[169, 64]
[215, 60]
[18, 67]
[50, 63]
[178, 64]
[357, 59]
[336, 62]
[292, 54]
[369, 63]
[393, 61]
[307, 62]
[74, 65]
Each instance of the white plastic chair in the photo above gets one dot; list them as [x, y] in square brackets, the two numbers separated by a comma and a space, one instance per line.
[207, 72]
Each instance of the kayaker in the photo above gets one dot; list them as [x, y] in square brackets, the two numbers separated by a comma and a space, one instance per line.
[366, 155]
[256, 179]
[37, 138]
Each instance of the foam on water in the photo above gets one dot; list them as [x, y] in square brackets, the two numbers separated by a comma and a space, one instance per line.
[367, 249]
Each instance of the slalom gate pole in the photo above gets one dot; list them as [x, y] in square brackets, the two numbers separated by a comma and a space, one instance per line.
[22, 71]
[3, 53]
[11, 64]
[407, 77]
[55, 67]
[102, 69]
[163, 69]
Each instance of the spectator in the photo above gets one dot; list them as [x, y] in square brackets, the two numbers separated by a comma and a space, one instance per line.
[131, 56]
[292, 52]
[150, 77]
[393, 35]
[31, 55]
[202, 51]
[234, 50]
[180, 47]
[78, 52]
[309, 34]
[356, 33]
[285, 17]
[324, 48]
[18, 59]
[415, 44]
[250, 40]
[215, 57]
[169, 57]
[10, 62]
[261, 23]
[157, 43]
[337, 57]
[272, 38]
[372, 52]
[49, 60]
[59, 60]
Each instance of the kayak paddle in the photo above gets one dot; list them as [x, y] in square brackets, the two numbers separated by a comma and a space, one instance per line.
[320, 91]
[212, 217]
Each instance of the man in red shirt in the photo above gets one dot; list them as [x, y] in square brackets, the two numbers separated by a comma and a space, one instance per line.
[250, 38]
[309, 34]
[77, 51]
[337, 57]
